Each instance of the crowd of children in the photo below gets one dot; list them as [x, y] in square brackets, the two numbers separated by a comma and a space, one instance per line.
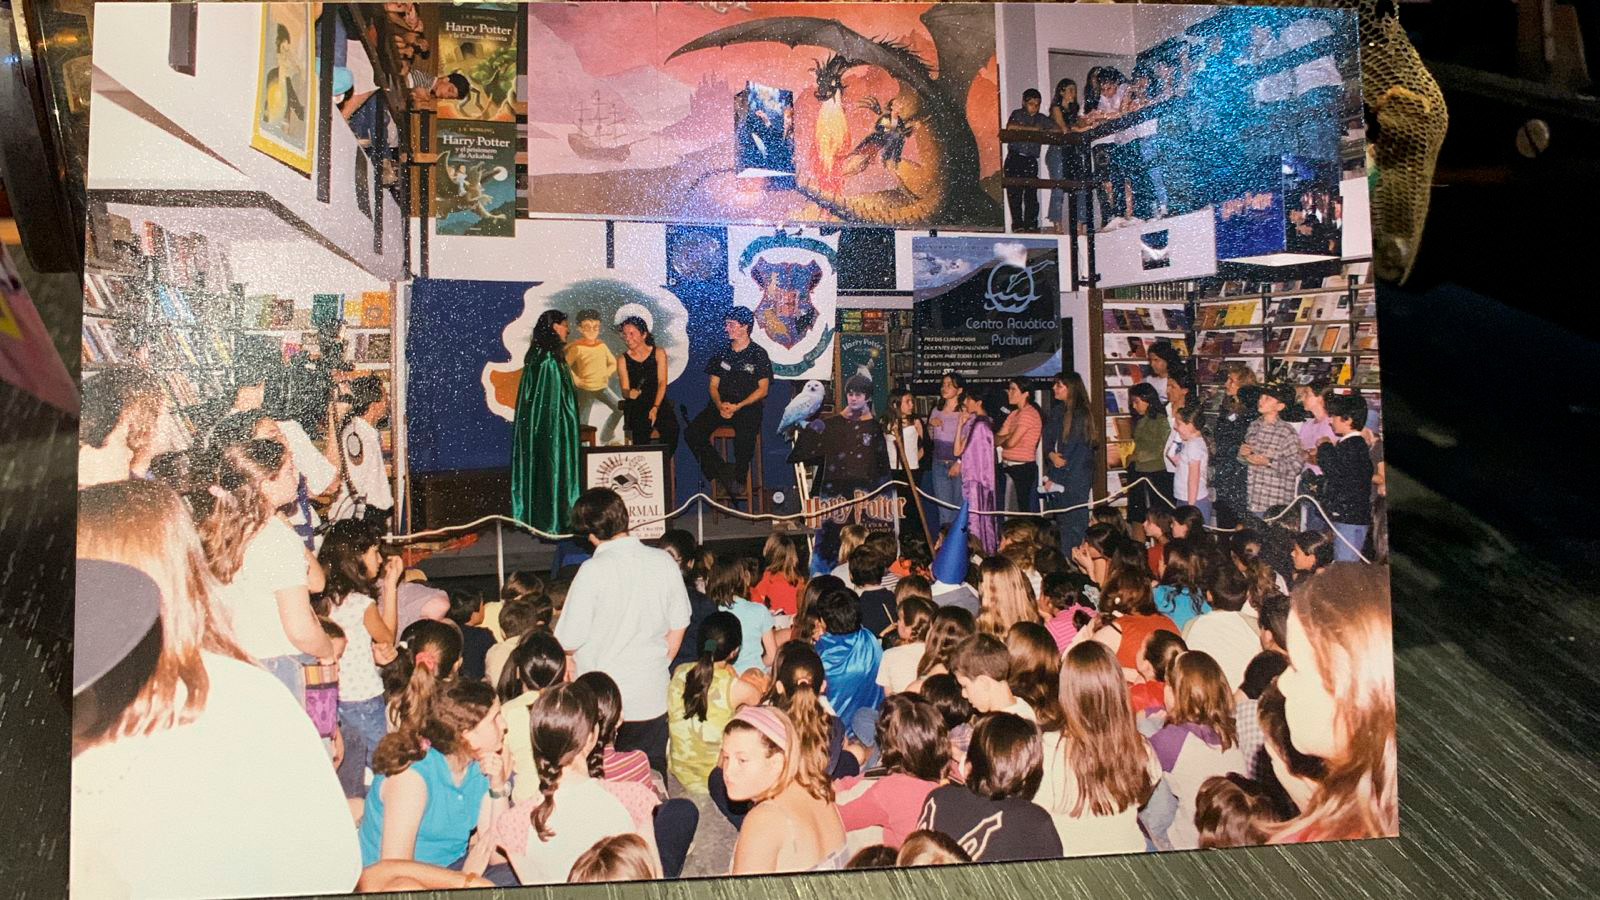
[1176, 689]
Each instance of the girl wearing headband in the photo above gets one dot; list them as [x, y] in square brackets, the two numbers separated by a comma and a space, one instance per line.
[795, 826]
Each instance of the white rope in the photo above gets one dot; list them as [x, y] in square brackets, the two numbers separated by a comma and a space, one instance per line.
[774, 517]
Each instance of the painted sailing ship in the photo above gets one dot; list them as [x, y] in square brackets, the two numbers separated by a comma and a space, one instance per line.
[600, 134]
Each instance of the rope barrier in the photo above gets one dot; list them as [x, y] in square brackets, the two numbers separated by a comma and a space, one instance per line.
[895, 483]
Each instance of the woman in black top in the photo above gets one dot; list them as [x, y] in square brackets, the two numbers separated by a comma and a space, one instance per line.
[642, 374]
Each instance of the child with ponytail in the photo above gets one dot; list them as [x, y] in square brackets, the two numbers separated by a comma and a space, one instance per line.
[702, 698]
[630, 779]
[427, 653]
[571, 811]
[440, 776]
[536, 664]
[263, 567]
[362, 602]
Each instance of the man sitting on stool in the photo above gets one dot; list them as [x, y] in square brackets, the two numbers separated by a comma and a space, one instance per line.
[740, 376]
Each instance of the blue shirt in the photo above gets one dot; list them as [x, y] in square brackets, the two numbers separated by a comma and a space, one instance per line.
[447, 820]
[755, 620]
[1177, 604]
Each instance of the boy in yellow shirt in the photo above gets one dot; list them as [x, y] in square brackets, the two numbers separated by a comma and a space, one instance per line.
[592, 364]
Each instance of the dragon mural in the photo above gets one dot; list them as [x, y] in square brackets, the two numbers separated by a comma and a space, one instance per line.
[941, 181]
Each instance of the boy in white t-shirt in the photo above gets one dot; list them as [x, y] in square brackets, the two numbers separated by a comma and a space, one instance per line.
[1191, 460]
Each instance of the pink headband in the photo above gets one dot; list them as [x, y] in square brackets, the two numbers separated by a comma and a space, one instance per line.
[769, 721]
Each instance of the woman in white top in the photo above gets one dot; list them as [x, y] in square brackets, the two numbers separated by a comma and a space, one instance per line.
[260, 561]
[573, 811]
[211, 782]
[1098, 770]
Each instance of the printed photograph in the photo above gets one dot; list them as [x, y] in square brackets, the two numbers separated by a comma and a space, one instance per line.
[659, 499]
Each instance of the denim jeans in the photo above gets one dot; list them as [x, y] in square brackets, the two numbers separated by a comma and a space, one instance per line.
[364, 723]
[1355, 534]
[946, 487]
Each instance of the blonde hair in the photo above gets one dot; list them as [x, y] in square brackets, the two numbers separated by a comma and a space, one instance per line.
[850, 537]
[620, 857]
[144, 525]
[794, 760]
[1006, 597]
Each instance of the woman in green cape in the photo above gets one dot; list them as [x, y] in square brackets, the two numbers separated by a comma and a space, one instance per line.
[544, 448]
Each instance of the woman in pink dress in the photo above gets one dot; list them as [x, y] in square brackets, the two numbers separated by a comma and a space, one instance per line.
[975, 462]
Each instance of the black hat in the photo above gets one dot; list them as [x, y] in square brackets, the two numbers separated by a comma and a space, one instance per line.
[116, 607]
[743, 315]
[1282, 393]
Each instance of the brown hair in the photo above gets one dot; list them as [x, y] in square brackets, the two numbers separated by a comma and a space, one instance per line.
[451, 712]
[1100, 743]
[719, 635]
[1161, 649]
[729, 579]
[1020, 531]
[521, 584]
[559, 722]
[1006, 596]
[425, 655]
[121, 393]
[607, 716]
[877, 856]
[796, 689]
[144, 525]
[1035, 673]
[1184, 570]
[930, 848]
[598, 513]
[1233, 811]
[1005, 756]
[981, 654]
[1200, 696]
[1127, 592]
[917, 614]
[806, 619]
[912, 737]
[781, 558]
[230, 517]
[620, 857]
[1344, 612]
[1276, 739]
[950, 626]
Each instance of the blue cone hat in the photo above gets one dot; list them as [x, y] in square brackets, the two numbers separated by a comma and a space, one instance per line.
[950, 566]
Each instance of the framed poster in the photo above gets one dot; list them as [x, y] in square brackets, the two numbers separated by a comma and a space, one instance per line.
[639, 475]
[282, 123]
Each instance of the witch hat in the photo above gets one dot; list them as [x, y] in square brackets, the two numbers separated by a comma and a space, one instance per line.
[950, 565]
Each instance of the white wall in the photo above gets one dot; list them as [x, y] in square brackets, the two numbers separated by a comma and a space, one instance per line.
[1357, 218]
[544, 248]
[215, 107]
[1191, 247]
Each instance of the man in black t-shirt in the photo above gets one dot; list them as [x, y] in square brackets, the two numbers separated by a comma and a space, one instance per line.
[740, 376]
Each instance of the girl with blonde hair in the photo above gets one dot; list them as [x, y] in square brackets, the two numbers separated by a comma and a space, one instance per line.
[1005, 597]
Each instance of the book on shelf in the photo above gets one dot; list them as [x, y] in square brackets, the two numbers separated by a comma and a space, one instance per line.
[372, 348]
[1367, 336]
[276, 312]
[1116, 401]
[326, 310]
[1246, 312]
[1334, 370]
[376, 309]
[1119, 428]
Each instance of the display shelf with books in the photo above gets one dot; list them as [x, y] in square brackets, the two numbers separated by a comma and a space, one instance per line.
[1134, 319]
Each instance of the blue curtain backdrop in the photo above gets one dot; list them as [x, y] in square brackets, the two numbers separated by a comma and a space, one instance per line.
[454, 331]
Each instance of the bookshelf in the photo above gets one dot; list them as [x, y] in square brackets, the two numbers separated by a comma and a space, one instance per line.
[164, 300]
[1132, 320]
[1289, 332]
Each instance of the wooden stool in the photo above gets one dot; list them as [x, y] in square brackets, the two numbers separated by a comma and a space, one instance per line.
[672, 463]
[722, 444]
[586, 435]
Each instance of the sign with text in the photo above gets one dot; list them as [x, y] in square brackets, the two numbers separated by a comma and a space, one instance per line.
[987, 308]
[639, 475]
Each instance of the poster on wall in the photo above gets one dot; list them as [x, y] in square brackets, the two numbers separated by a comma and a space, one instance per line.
[283, 125]
[789, 279]
[478, 57]
[474, 184]
[640, 477]
[874, 114]
[987, 308]
[864, 350]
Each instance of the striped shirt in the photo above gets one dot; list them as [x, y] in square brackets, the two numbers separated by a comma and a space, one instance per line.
[1024, 425]
[631, 765]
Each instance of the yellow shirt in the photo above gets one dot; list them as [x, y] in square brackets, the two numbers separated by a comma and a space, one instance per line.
[592, 366]
[695, 744]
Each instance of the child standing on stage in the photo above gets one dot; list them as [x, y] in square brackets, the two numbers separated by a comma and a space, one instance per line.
[593, 364]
